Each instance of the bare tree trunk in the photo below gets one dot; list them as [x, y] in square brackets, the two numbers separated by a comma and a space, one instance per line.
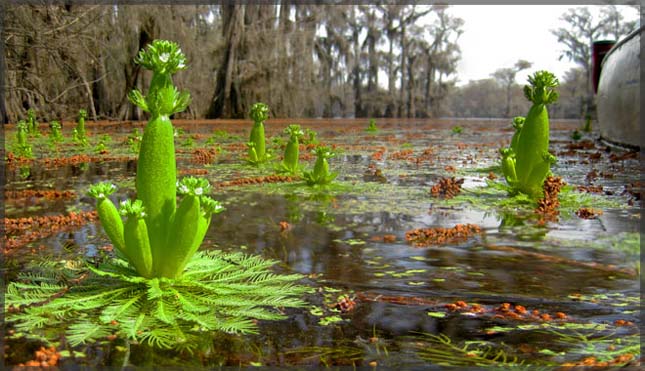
[4, 117]
[372, 57]
[404, 57]
[88, 92]
[131, 72]
[225, 101]
[411, 109]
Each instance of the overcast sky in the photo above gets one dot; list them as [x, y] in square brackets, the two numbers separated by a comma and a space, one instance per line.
[497, 36]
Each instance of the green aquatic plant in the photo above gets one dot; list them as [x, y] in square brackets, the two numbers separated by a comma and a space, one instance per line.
[79, 135]
[134, 140]
[158, 290]
[102, 145]
[441, 350]
[320, 174]
[34, 127]
[220, 292]
[371, 128]
[527, 162]
[257, 152]
[292, 151]
[24, 171]
[189, 142]
[172, 234]
[587, 127]
[55, 134]
[22, 148]
[457, 129]
[310, 137]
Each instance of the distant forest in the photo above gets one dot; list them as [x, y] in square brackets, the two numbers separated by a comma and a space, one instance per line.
[302, 60]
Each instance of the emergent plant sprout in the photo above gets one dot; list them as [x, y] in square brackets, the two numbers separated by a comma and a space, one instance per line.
[79, 134]
[292, 151]
[22, 147]
[527, 162]
[159, 291]
[32, 123]
[55, 134]
[257, 148]
[320, 174]
[162, 236]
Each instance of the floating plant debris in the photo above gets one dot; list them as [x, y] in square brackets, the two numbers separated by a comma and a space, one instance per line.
[405, 154]
[440, 236]
[21, 231]
[588, 213]
[447, 188]
[548, 206]
[590, 189]
[345, 304]
[43, 357]
[204, 156]
[48, 194]
[259, 180]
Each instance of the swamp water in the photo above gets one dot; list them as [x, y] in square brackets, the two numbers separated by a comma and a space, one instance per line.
[519, 289]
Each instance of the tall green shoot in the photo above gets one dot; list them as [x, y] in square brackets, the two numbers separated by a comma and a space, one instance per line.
[22, 148]
[257, 148]
[79, 134]
[527, 162]
[34, 127]
[292, 150]
[321, 175]
[159, 237]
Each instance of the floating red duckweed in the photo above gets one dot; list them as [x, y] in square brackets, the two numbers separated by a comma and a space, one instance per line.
[48, 194]
[440, 236]
[21, 231]
[588, 213]
[447, 188]
[259, 180]
[43, 357]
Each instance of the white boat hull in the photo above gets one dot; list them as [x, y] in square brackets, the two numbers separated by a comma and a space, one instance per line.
[618, 98]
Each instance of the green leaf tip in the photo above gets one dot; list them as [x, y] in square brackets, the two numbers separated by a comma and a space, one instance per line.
[507, 152]
[193, 186]
[549, 158]
[101, 190]
[259, 112]
[22, 125]
[162, 56]
[294, 131]
[541, 88]
[130, 208]
[518, 122]
[167, 101]
[210, 206]
[137, 98]
[324, 152]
